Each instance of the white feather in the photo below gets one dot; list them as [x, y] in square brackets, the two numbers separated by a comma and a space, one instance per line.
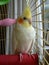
[23, 37]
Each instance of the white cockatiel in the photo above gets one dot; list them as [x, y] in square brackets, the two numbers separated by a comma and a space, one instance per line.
[23, 37]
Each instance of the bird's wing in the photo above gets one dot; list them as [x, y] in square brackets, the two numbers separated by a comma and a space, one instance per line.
[31, 49]
[33, 43]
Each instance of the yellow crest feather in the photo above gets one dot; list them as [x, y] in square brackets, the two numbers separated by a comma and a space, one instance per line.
[27, 12]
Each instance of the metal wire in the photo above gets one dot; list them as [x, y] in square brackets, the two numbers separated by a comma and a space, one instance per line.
[44, 55]
[3, 14]
[36, 15]
[27, 2]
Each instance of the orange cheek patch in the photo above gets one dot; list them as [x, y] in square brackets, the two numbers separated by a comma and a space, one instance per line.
[20, 20]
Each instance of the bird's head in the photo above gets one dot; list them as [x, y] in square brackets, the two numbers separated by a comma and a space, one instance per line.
[26, 18]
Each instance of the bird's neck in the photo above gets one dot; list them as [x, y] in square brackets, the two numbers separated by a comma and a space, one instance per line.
[26, 24]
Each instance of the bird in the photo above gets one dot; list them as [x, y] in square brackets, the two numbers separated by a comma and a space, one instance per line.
[24, 34]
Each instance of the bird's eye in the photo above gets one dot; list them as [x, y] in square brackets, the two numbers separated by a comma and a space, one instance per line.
[24, 18]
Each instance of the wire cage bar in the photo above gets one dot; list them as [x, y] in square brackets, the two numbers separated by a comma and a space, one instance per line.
[42, 42]
[3, 15]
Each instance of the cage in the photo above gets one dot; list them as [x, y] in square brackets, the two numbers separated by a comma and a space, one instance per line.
[40, 21]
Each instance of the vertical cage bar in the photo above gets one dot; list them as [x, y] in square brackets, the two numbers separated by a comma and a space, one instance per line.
[3, 14]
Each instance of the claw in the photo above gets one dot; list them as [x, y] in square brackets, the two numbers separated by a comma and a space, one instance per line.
[21, 57]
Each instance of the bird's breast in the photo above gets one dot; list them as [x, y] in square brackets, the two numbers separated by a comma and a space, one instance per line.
[24, 36]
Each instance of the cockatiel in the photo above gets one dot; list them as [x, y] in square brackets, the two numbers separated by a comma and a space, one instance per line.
[23, 34]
